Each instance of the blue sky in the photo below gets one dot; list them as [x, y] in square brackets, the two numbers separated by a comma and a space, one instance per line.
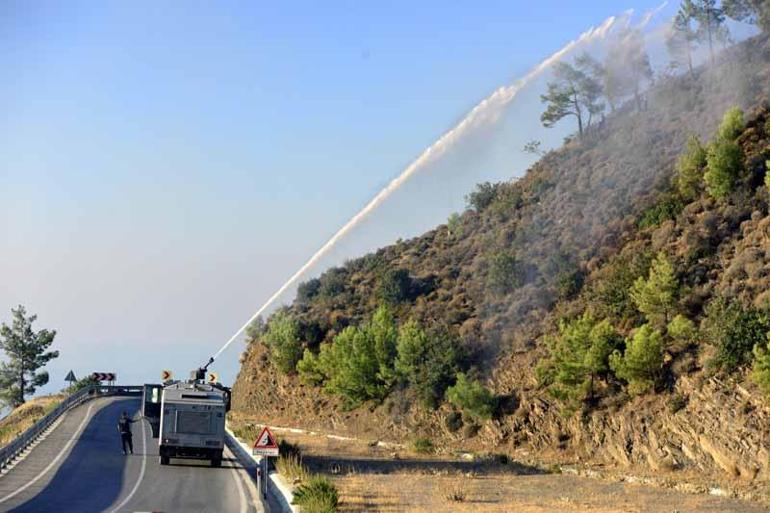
[166, 167]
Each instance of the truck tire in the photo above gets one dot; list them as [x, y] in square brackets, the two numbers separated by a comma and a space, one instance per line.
[164, 460]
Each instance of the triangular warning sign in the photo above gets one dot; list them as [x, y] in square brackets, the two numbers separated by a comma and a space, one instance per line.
[70, 376]
[265, 440]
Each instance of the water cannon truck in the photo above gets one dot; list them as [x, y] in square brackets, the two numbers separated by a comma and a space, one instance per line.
[188, 417]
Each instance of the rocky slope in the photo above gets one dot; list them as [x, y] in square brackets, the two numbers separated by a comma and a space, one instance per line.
[579, 217]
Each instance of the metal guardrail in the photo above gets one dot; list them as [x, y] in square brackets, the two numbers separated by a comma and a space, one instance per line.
[24, 440]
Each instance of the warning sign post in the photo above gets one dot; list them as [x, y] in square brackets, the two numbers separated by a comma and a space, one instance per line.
[265, 444]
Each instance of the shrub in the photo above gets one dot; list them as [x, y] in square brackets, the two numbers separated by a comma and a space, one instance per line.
[642, 362]
[358, 364]
[423, 446]
[610, 293]
[453, 421]
[308, 290]
[483, 196]
[578, 356]
[503, 275]
[667, 208]
[682, 331]
[725, 163]
[290, 466]
[760, 372]
[427, 361]
[282, 339]
[454, 225]
[734, 331]
[476, 401]
[689, 169]
[732, 124]
[569, 283]
[656, 296]
[317, 495]
[394, 286]
[333, 283]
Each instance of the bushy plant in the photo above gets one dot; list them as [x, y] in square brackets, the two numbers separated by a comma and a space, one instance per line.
[282, 339]
[358, 364]
[682, 331]
[428, 361]
[689, 169]
[470, 396]
[423, 446]
[306, 291]
[454, 225]
[394, 286]
[317, 495]
[333, 283]
[503, 274]
[642, 362]
[610, 293]
[578, 356]
[483, 196]
[732, 124]
[733, 330]
[668, 207]
[656, 296]
[724, 164]
[760, 372]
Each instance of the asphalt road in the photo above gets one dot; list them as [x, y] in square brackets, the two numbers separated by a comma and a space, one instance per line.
[79, 468]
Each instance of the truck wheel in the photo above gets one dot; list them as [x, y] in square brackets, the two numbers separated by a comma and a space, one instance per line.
[164, 460]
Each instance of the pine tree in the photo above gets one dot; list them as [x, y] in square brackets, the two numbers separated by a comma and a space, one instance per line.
[711, 25]
[656, 296]
[627, 69]
[579, 356]
[689, 169]
[682, 36]
[27, 351]
[575, 92]
[642, 362]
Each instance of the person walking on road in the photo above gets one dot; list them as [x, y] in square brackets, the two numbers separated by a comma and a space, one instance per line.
[124, 428]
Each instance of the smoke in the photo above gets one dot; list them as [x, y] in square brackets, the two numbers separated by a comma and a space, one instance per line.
[485, 113]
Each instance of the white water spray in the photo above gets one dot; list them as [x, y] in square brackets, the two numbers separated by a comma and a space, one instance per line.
[487, 111]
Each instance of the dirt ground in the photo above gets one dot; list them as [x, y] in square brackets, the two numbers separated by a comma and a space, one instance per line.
[393, 478]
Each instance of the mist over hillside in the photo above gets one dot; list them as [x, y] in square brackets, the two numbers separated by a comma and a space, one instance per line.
[583, 311]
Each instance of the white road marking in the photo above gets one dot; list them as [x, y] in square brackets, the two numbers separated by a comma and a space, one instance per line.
[141, 471]
[64, 449]
[238, 484]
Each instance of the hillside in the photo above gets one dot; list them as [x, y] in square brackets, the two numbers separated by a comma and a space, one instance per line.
[487, 316]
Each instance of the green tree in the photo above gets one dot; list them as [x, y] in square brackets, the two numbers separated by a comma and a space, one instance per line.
[574, 92]
[760, 372]
[483, 196]
[682, 331]
[578, 357]
[359, 363]
[428, 362]
[503, 274]
[756, 12]
[656, 296]
[724, 164]
[682, 35]
[283, 340]
[642, 362]
[394, 286]
[470, 396]
[732, 124]
[733, 330]
[689, 169]
[27, 352]
[711, 23]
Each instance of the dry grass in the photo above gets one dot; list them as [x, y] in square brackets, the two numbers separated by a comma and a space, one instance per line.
[291, 467]
[22, 418]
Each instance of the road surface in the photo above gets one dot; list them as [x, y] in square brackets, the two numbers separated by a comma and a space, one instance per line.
[79, 468]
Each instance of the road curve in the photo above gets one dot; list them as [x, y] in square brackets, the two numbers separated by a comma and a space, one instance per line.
[79, 468]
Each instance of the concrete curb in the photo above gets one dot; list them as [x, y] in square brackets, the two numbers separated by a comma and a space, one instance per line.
[277, 487]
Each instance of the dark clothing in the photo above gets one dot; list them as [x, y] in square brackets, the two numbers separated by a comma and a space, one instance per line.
[128, 442]
[124, 425]
[124, 428]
